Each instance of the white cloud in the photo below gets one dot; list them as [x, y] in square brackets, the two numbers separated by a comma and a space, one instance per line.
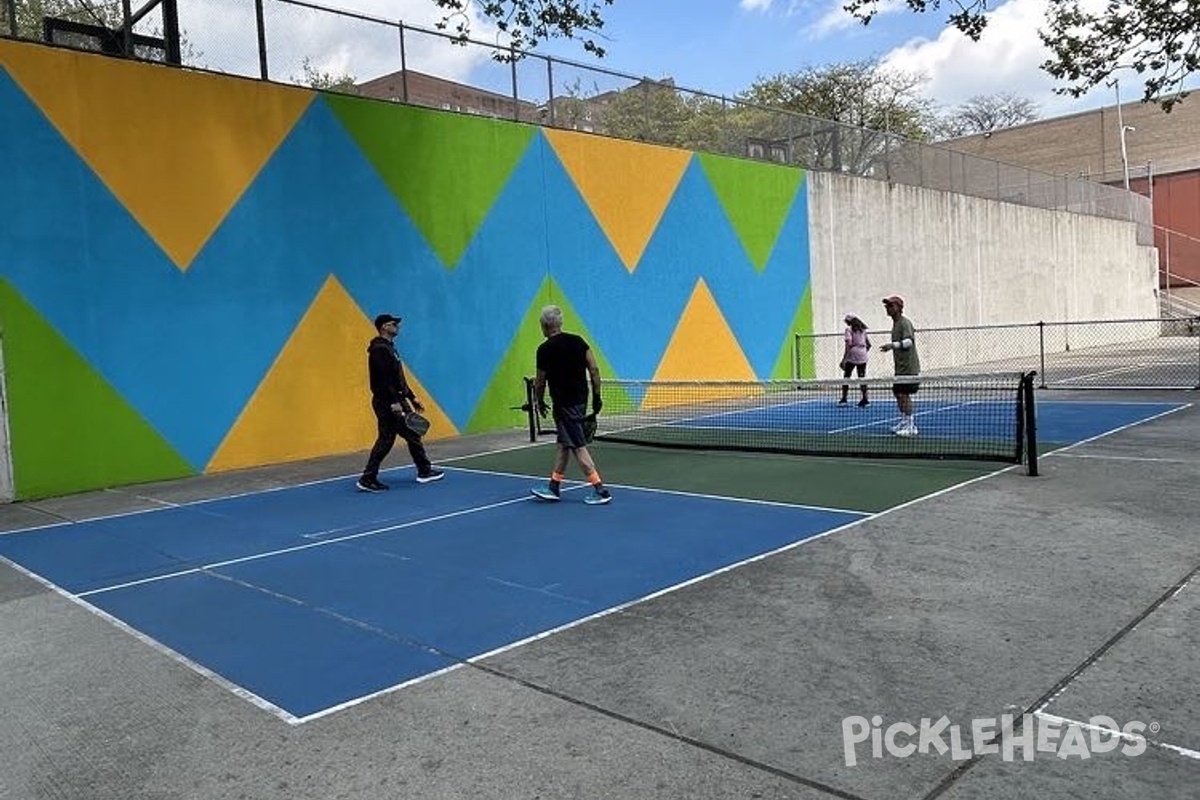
[835, 18]
[755, 5]
[1007, 58]
[222, 33]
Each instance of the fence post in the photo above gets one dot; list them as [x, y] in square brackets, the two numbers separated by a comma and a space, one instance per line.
[12, 17]
[516, 95]
[127, 29]
[403, 66]
[1031, 453]
[261, 24]
[550, 92]
[1042, 351]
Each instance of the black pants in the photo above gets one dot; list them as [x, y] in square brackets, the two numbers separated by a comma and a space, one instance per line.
[392, 425]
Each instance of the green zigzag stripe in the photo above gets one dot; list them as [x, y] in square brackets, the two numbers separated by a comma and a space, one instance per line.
[790, 364]
[774, 186]
[70, 430]
[436, 164]
[505, 388]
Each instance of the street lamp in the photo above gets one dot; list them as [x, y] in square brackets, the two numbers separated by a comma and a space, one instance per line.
[1125, 153]
[1116, 84]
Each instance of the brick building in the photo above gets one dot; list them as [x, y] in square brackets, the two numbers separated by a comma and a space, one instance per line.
[1163, 154]
[420, 89]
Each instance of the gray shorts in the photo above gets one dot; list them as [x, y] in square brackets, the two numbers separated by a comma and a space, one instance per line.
[568, 421]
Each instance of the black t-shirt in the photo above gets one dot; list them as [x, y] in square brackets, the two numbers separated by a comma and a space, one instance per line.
[563, 357]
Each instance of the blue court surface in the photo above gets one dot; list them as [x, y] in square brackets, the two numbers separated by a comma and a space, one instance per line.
[312, 597]
[315, 596]
[1058, 421]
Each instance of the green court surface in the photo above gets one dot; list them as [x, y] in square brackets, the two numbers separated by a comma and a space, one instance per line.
[869, 486]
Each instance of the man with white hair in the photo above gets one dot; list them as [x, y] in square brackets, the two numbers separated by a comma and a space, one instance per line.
[564, 363]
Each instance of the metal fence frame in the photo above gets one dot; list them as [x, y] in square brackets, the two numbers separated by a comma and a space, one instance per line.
[740, 128]
[1115, 354]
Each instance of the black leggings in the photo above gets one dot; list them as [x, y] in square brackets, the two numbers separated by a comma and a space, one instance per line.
[847, 371]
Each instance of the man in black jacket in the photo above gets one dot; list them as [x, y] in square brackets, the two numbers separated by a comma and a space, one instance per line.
[390, 400]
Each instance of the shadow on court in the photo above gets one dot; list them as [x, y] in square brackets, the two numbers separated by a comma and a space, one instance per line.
[969, 595]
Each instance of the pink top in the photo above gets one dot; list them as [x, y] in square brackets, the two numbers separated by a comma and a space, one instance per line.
[857, 345]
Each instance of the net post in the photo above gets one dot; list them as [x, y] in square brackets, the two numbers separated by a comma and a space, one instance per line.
[1042, 351]
[531, 409]
[1030, 423]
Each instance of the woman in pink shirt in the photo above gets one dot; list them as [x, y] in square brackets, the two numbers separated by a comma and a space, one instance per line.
[858, 343]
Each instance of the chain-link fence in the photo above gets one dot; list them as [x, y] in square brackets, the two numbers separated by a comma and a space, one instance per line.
[1179, 273]
[302, 43]
[1161, 353]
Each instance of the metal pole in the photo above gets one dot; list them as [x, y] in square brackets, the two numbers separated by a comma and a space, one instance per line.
[12, 17]
[531, 408]
[126, 29]
[170, 16]
[1167, 235]
[1031, 453]
[260, 22]
[1125, 155]
[550, 86]
[512, 62]
[403, 67]
[1042, 352]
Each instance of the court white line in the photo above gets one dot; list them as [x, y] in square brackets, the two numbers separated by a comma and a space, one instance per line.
[677, 492]
[308, 546]
[167, 505]
[1127, 458]
[154, 644]
[1126, 427]
[1103, 372]
[1128, 737]
[661, 592]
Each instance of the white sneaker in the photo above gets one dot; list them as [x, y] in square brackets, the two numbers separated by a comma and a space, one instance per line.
[907, 430]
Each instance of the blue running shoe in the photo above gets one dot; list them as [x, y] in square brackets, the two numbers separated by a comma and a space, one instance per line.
[598, 497]
[544, 493]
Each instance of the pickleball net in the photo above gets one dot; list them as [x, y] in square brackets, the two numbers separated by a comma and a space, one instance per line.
[989, 417]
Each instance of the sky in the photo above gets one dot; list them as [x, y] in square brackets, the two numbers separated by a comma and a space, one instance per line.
[716, 46]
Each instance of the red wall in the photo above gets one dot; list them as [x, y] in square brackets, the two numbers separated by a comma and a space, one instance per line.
[1177, 217]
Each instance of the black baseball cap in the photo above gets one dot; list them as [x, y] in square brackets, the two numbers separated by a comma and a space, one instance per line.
[384, 319]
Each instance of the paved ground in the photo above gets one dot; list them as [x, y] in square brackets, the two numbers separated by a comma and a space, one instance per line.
[1070, 595]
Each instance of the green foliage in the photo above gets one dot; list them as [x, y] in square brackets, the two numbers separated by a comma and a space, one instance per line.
[31, 12]
[324, 81]
[526, 23]
[987, 112]
[1155, 38]
[1090, 42]
[865, 103]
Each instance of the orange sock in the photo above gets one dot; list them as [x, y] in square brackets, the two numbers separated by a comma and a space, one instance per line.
[594, 478]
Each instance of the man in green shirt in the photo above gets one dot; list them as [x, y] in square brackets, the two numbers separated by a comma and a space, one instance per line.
[903, 347]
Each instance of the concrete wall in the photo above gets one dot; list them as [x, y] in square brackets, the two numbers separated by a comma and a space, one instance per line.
[965, 261]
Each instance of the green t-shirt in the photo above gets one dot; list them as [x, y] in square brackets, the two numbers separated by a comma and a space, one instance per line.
[907, 362]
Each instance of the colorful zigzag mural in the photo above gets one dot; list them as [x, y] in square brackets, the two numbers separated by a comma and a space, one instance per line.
[189, 263]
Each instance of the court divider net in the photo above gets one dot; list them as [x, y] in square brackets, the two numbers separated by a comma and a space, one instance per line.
[986, 417]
